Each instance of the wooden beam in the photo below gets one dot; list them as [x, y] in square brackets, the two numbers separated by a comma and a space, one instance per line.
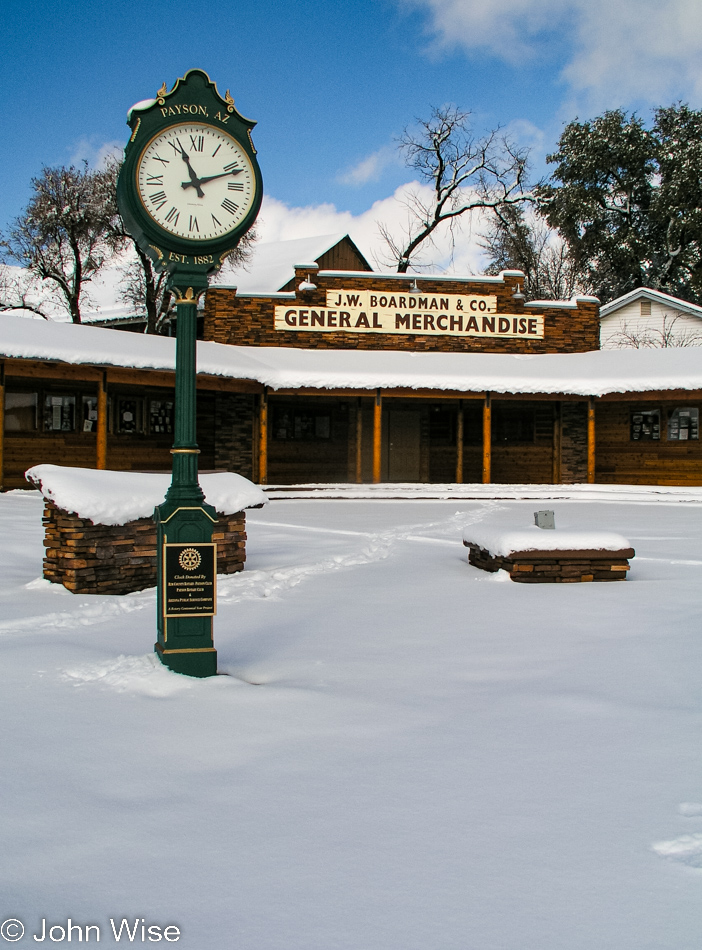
[224, 384]
[487, 440]
[101, 461]
[117, 375]
[664, 395]
[2, 424]
[263, 438]
[459, 443]
[33, 369]
[591, 440]
[434, 394]
[359, 441]
[557, 443]
[398, 392]
[377, 436]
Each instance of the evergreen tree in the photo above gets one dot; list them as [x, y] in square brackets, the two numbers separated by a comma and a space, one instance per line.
[628, 201]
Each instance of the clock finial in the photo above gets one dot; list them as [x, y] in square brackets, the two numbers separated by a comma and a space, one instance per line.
[163, 91]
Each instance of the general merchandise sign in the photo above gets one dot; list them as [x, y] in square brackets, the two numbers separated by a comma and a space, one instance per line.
[368, 311]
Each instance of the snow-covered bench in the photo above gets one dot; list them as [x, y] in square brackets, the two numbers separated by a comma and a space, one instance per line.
[535, 556]
[100, 535]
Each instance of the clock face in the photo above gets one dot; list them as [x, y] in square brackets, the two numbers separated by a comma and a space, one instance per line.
[196, 181]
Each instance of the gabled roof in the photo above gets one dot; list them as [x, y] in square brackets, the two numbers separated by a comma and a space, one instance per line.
[655, 296]
[272, 265]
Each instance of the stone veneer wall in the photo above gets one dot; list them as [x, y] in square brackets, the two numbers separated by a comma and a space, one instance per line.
[92, 558]
[573, 443]
[554, 567]
[234, 449]
[248, 320]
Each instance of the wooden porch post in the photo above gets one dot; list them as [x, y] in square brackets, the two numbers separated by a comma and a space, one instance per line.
[557, 442]
[101, 461]
[459, 443]
[591, 440]
[377, 435]
[2, 425]
[359, 441]
[263, 437]
[487, 440]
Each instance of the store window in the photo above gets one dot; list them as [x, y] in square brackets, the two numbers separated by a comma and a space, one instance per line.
[130, 415]
[645, 425]
[59, 413]
[160, 416]
[683, 425]
[21, 412]
[512, 426]
[301, 425]
[442, 426]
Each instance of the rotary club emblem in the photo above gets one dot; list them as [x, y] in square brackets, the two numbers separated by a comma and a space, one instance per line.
[189, 559]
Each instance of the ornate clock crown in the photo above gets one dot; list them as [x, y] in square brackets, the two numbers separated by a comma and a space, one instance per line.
[190, 186]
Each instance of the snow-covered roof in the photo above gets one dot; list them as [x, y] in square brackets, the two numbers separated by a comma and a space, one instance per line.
[273, 263]
[657, 296]
[588, 374]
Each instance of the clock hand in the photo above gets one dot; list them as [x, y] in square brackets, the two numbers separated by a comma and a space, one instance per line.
[202, 181]
[194, 180]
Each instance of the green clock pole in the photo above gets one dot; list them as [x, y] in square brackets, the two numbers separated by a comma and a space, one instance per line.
[189, 189]
[185, 642]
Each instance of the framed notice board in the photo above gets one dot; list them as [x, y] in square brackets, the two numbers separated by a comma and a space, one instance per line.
[190, 580]
[683, 424]
[645, 425]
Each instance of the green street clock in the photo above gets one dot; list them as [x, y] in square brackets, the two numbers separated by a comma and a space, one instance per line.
[190, 186]
[189, 189]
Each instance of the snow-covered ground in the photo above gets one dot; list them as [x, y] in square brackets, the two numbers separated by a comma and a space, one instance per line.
[406, 753]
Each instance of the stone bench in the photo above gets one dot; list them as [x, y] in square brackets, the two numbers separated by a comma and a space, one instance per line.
[554, 566]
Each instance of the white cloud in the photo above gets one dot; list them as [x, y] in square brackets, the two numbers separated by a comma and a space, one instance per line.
[280, 222]
[620, 52]
[370, 168]
[95, 153]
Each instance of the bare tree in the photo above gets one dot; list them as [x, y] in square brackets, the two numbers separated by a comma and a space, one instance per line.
[60, 237]
[17, 292]
[465, 173]
[644, 338]
[518, 241]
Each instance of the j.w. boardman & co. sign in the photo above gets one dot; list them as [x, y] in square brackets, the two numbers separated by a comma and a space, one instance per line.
[366, 311]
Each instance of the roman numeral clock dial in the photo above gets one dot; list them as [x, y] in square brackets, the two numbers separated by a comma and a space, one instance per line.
[195, 181]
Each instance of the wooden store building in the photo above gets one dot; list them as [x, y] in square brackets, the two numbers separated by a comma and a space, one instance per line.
[347, 375]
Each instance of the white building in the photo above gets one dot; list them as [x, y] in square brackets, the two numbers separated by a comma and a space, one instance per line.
[649, 318]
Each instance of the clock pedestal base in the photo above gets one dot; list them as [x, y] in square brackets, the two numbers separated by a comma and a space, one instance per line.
[187, 558]
[186, 590]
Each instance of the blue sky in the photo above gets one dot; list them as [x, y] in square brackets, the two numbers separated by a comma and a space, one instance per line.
[331, 84]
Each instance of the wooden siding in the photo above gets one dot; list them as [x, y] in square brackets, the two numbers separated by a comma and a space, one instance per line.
[621, 460]
[325, 460]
